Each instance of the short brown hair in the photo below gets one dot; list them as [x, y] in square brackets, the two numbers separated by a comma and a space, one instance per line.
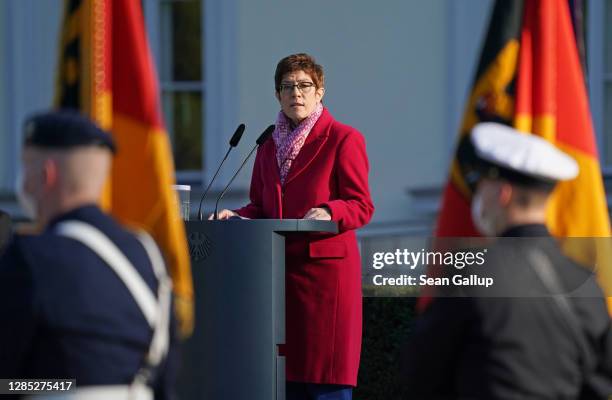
[299, 62]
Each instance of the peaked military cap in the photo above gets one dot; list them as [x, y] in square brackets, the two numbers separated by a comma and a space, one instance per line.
[500, 151]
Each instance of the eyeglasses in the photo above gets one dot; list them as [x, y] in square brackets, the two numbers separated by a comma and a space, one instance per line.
[303, 87]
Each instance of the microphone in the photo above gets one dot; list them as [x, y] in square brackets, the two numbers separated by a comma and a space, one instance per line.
[260, 140]
[233, 143]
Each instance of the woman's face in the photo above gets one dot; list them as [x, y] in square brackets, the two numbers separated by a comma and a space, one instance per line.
[296, 103]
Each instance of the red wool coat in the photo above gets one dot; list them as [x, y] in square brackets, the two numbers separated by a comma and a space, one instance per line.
[323, 271]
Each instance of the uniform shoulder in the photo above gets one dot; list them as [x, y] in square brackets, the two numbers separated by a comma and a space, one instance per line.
[24, 243]
[32, 252]
[14, 261]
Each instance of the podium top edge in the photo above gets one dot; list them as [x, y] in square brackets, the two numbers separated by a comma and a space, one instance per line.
[279, 225]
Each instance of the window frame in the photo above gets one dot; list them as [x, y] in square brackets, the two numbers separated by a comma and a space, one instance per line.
[218, 86]
[152, 16]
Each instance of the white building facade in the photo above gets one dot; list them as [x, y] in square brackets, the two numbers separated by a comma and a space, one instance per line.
[397, 70]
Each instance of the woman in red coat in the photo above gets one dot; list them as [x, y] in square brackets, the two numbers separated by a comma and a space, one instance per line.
[315, 168]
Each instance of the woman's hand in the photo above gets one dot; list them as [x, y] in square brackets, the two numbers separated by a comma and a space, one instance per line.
[322, 213]
[223, 214]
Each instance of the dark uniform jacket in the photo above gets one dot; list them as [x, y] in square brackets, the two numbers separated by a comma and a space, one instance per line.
[509, 343]
[65, 314]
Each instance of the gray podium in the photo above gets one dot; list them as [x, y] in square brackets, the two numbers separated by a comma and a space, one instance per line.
[239, 280]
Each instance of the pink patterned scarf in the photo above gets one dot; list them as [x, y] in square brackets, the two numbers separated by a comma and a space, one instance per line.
[289, 142]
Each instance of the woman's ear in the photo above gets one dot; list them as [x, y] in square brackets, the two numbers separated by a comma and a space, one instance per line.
[277, 95]
[320, 93]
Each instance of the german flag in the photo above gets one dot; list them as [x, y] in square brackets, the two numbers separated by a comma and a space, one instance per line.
[530, 77]
[84, 72]
[106, 71]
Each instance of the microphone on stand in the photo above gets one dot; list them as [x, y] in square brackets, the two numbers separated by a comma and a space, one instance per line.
[260, 140]
[233, 143]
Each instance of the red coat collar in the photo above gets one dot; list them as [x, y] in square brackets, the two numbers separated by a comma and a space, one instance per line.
[315, 140]
[313, 144]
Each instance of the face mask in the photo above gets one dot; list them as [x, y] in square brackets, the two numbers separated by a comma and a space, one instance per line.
[483, 221]
[25, 200]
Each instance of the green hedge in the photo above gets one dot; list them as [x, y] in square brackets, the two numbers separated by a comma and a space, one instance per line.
[386, 326]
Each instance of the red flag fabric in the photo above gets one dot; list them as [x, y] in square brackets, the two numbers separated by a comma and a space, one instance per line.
[106, 71]
[530, 76]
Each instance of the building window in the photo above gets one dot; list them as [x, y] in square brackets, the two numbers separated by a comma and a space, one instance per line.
[176, 37]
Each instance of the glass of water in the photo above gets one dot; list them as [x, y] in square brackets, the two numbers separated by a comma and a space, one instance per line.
[183, 192]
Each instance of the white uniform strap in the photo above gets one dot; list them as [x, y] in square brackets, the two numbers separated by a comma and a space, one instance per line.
[101, 245]
[156, 313]
[161, 335]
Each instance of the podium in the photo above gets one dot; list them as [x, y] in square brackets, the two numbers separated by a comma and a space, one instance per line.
[238, 270]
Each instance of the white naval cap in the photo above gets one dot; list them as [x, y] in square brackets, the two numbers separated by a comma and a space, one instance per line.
[520, 157]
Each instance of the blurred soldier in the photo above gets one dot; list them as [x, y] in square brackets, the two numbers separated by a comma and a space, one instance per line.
[85, 299]
[517, 341]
